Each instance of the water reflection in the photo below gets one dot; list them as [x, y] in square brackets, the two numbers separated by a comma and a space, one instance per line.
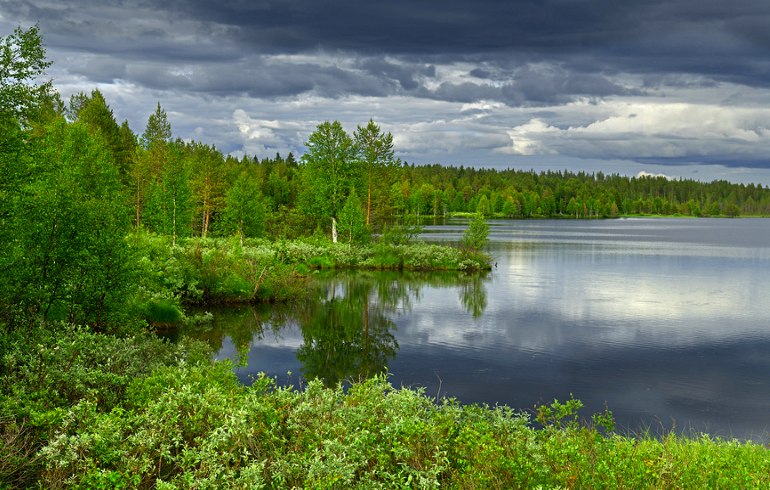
[345, 330]
[346, 334]
[665, 320]
[473, 295]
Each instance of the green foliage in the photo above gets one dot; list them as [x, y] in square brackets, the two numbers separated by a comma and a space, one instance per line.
[224, 271]
[476, 236]
[352, 226]
[86, 410]
[244, 213]
[215, 271]
[193, 426]
[562, 415]
[320, 262]
[22, 60]
[61, 367]
[162, 312]
[732, 210]
[209, 184]
[328, 170]
[69, 253]
[158, 130]
[377, 168]
[167, 198]
[510, 208]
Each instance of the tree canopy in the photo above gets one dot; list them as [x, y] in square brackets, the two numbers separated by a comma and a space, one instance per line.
[22, 61]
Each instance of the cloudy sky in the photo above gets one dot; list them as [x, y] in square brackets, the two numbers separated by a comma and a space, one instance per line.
[674, 87]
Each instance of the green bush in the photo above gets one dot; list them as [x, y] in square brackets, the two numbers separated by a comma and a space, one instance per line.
[320, 262]
[65, 367]
[161, 312]
[182, 421]
[476, 236]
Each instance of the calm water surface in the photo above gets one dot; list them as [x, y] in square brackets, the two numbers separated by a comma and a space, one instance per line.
[665, 320]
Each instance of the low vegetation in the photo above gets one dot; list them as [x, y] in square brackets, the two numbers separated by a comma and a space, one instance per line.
[208, 271]
[95, 411]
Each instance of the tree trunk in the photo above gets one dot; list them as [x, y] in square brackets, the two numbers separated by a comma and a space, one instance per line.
[174, 221]
[334, 230]
[138, 195]
[369, 199]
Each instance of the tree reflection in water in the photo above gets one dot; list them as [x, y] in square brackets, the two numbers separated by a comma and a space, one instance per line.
[347, 323]
[348, 336]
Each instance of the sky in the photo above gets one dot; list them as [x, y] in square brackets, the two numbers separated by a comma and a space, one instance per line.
[673, 87]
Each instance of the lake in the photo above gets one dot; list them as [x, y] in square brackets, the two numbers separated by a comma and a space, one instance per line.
[664, 320]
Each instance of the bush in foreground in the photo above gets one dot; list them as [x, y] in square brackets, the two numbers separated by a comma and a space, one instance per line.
[171, 420]
[194, 426]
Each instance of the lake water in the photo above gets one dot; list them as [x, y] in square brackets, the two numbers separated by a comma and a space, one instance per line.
[665, 320]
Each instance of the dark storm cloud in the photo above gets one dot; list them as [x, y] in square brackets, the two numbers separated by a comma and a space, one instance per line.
[683, 36]
[406, 74]
[255, 79]
[529, 87]
[101, 70]
[479, 73]
[726, 41]
[696, 71]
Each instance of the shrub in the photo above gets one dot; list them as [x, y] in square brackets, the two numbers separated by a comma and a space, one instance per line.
[193, 425]
[163, 313]
[65, 367]
[476, 236]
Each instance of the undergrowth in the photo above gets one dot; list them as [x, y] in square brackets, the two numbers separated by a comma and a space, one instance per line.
[223, 271]
[78, 412]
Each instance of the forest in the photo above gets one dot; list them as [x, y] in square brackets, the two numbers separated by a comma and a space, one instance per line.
[108, 234]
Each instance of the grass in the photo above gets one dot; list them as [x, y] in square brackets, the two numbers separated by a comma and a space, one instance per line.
[222, 271]
[163, 313]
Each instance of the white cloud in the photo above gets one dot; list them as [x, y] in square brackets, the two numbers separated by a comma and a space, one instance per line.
[484, 106]
[259, 136]
[650, 130]
[531, 138]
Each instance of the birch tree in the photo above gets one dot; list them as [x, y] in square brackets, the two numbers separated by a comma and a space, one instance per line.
[329, 171]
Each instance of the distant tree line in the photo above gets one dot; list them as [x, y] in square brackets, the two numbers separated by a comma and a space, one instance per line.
[437, 190]
[350, 184]
[354, 182]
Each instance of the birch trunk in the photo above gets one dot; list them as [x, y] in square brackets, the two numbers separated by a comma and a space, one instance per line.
[174, 221]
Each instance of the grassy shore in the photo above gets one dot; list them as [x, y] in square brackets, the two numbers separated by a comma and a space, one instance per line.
[84, 410]
[224, 271]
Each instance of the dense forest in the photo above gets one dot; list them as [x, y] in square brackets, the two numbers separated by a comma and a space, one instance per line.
[189, 188]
